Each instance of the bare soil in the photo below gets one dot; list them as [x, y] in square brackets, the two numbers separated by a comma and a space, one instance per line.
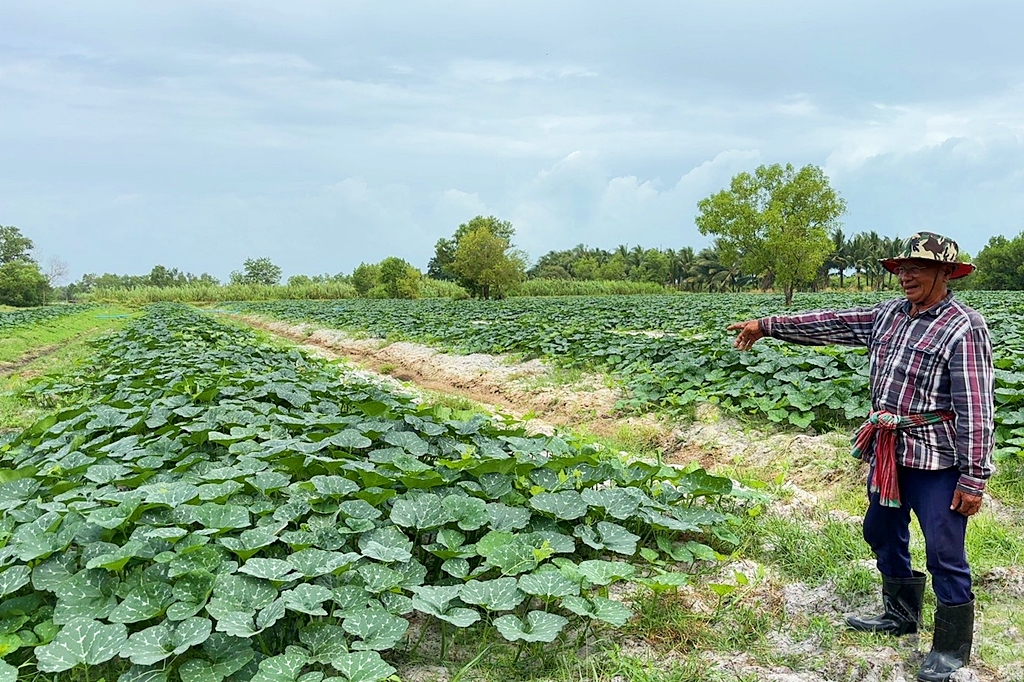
[12, 367]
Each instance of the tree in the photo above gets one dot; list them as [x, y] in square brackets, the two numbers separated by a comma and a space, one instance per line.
[14, 246]
[399, 279]
[486, 264]
[365, 277]
[1000, 265]
[22, 284]
[441, 265]
[776, 220]
[257, 271]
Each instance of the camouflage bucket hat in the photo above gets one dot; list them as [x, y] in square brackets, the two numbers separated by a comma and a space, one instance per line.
[930, 246]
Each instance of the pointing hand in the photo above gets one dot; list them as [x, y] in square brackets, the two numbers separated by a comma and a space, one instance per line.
[749, 333]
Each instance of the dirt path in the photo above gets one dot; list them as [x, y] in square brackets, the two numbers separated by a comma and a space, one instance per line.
[9, 368]
[524, 390]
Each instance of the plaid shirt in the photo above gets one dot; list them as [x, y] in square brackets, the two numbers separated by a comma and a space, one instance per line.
[939, 360]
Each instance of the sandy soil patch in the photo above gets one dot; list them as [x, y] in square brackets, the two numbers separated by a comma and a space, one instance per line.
[510, 387]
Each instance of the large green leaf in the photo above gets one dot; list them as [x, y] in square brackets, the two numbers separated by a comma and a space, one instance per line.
[510, 553]
[506, 518]
[500, 594]
[281, 668]
[376, 629]
[437, 601]
[548, 583]
[538, 627]
[216, 516]
[249, 542]
[566, 505]
[469, 512]
[362, 666]
[156, 643]
[422, 512]
[81, 641]
[599, 608]
[307, 598]
[324, 641]
[387, 544]
[14, 578]
[172, 495]
[334, 486]
[277, 570]
[610, 536]
[144, 602]
[313, 562]
[606, 572]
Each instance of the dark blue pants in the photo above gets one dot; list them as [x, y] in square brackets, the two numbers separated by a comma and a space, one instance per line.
[887, 531]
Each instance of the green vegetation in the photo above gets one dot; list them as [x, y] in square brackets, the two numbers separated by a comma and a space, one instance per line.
[15, 319]
[775, 222]
[1000, 265]
[206, 293]
[48, 327]
[67, 341]
[481, 258]
[259, 271]
[672, 352]
[206, 504]
[591, 287]
[22, 282]
[391, 278]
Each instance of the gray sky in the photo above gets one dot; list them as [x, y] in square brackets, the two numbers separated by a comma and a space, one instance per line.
[326, 133]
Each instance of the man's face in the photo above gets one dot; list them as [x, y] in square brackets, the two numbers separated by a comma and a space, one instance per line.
[920, 279]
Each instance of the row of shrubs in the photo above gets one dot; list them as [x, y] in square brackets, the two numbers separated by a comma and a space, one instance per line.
[429, 288]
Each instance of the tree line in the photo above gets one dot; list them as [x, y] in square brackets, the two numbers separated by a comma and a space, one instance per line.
[775, 228]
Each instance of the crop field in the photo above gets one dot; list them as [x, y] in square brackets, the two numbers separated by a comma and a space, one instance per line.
[10, 320]
[201, 506]
[187, 500]
[672, 352]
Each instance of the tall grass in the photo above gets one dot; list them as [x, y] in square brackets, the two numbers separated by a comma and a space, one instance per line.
[227, 292]
[587, 287]
[439, 288]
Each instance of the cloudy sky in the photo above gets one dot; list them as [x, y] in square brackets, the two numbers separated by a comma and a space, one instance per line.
[323, 133]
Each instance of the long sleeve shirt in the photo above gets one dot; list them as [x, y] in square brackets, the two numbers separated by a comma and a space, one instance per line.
[940, 359]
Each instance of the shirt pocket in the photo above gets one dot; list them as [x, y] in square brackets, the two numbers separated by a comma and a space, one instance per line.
[922, 365]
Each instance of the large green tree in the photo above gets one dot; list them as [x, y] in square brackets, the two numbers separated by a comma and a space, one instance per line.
[1000, 265]
[257, 271]
[776, 221]
[14, 246]
[22, 284]
[399, 279]
[486, 264]
[441, 265]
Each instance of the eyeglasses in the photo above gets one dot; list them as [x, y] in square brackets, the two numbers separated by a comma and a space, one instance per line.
[910, 270]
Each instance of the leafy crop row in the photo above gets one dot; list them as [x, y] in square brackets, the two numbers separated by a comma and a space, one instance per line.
[673, 351]
[207, 508]
[18, 318]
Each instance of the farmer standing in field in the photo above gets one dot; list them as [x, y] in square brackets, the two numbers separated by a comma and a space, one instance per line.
[928, 437]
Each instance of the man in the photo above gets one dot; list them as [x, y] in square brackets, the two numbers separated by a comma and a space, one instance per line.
[928, 438]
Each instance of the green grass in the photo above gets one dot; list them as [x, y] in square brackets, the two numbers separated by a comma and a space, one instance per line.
[17, 409]
[993, 542]
[23, 340]
[1007, 485]
[830, 552]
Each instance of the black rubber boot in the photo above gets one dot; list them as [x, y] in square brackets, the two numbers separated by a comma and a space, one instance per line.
[951, 645]
[902, 599]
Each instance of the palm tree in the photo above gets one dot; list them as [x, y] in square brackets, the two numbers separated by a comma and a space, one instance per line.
[839, 259]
